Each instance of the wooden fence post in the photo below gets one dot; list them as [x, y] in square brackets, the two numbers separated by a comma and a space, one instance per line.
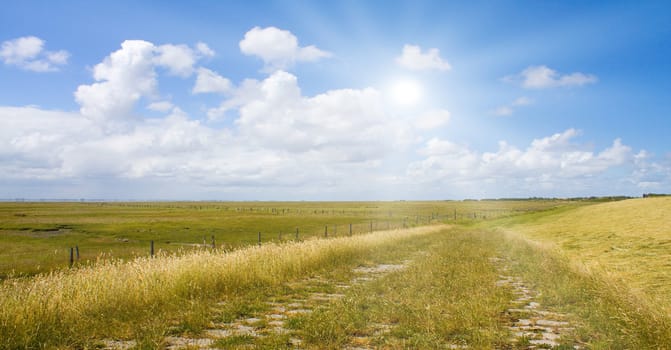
[72, 256]
[350, 229]
[259, 238]
[326, 231]
[151, 248]
[77, 252]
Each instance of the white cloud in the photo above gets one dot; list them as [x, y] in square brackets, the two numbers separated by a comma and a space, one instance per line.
[540, 77]
[122, 79]
[211, 82]
[278, 48]
[510, 108]
[651, 175]
[128, 75]
[247, 91]
[204, 50]
[178, 59]
[32, 141]
[28, 53]
[293, 145]
[160, 106]
[432, 119]
[344, 125]
[280, 139]
[549, 162]
[412, 58]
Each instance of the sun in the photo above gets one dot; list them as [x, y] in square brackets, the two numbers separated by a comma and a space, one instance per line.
[405, 92]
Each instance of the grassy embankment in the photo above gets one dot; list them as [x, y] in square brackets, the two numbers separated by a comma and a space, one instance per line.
[607, 264]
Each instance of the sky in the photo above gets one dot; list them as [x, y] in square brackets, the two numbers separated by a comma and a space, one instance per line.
[334, 100]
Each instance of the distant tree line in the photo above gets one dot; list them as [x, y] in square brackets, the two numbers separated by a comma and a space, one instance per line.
[648, 195]
[587, 199]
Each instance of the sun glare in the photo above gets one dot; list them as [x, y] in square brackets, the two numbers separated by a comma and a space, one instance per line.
[405, 92]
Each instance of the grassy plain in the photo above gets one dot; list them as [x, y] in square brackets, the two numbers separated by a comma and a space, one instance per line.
[36, 237]
[601, 266]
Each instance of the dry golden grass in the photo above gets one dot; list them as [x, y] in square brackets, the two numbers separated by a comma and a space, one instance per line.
[137, 299]
[629, 240]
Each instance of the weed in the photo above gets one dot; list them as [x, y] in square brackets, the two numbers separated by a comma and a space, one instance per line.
[234, 341]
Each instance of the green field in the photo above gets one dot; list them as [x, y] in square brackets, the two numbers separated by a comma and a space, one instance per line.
[504, 275]
[37, 237]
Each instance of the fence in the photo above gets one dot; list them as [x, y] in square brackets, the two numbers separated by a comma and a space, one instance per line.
[387, 220]
[330, 231]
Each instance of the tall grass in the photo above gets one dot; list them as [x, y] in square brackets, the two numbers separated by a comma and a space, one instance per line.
[608, 312]
[630, 240]
[142, 298]
[608, 263]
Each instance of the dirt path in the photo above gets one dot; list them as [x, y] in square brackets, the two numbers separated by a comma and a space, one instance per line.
[307, 295]
[275, 318]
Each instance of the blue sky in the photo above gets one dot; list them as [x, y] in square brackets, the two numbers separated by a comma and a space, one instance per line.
[334, 100]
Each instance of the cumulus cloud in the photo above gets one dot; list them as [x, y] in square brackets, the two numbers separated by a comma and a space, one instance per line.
[278, 48]
[280, 138]
[541, 77]
[128, 75]
[549, 161]
[346, 125]
[178, 59]
[414, 59]
[28, 53]
[32, 141]
[510, 108]
[124, 77]
[211, 82]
